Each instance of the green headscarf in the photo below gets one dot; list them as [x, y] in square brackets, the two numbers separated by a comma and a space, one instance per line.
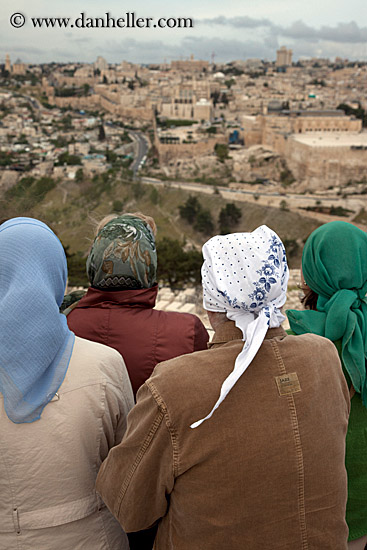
[334, 265]
[123, 255]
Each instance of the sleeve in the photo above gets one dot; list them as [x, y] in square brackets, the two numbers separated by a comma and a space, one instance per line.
[138, 475]
[119, 400]
[201, 336]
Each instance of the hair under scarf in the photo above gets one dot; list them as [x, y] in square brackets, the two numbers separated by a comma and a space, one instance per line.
[123, 255]
[245, 275]
[35, 342]
[334, 265]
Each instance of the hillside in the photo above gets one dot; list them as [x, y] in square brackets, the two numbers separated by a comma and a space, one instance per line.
[71, 209]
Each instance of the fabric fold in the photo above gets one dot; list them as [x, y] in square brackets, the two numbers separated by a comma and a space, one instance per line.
[334, 265]
[35, 342]
[245, 275]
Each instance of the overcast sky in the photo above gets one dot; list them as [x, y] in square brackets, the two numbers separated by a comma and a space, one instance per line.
[230, 29]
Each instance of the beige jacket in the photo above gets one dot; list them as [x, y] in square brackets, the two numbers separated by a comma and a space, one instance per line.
[265, 472]
[48, 468]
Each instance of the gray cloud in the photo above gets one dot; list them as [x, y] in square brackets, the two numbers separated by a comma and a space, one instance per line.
[85, 49]
[153, 51]
[243, 22]
[299, 31]
[342, 33]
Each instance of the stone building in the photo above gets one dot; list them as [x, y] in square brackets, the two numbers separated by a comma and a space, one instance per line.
[284, 57]
[322, 148]
[190, 65]
[324, 160]
[189, 100]
[7, 63]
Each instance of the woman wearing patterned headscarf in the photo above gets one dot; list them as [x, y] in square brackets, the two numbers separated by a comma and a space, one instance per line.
[118, 307]
[334, 268]
[54, 431]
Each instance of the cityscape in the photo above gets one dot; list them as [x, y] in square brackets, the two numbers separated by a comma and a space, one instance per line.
[183, 220]
[282, 139]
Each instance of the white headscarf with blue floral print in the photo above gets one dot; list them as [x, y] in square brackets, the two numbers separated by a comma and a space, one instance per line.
[245, 275]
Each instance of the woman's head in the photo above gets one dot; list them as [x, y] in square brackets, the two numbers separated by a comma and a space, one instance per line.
[243, 273]
[334, 267]
[244, 277]
[147, 219]
[31, 252]
[123, 254]
[35, 341]
[335, 258]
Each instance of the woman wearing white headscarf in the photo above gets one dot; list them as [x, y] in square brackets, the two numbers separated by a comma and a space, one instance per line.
[63, 404]
[240, 446]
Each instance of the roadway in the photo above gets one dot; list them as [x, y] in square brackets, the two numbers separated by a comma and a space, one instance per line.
[142, 147]
[269, 197]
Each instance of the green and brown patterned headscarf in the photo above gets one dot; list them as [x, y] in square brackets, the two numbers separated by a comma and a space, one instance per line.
[123, 255]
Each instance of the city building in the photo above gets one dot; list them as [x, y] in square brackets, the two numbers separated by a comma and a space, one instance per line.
[284, 57]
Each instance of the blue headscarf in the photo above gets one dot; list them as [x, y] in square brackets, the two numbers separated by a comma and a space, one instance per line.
[35, 342]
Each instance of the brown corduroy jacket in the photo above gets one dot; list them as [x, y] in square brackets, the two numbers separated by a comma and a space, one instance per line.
[266, 471]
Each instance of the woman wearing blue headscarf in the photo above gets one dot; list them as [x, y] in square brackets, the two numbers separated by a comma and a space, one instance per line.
[63, 404]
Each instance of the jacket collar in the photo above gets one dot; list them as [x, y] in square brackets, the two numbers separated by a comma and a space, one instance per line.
[144, 298]
[227, 331]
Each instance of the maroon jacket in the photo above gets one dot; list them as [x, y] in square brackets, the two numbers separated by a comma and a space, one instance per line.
[126, 321]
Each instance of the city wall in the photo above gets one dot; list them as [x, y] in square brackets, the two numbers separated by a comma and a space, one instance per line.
[84, 102]
[323, 167]
[168, 151]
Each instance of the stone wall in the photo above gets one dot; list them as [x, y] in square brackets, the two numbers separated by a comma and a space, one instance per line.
[168, 151]
[323, 167]
[85, 102]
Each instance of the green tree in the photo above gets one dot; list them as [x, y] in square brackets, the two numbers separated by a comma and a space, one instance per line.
[117, 206]
[229, 83]
[224, 98]
[66, 122]
[292, 247]
[77, 273]
[229, 217]
[79, 175]
[70, 160]
[101, 133]
[215, 97]
[221, 150]
[175, 266]
[358, 113]
[190, 209]
[204, 222]
[286, 177]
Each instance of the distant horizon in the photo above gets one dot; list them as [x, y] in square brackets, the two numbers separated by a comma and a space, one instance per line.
[238, 30]
[179, 58]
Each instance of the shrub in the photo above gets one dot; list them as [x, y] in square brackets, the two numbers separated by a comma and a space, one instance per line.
[190, 209]
[204, 222]
[221, 150]
[175, 266]
[229, 217]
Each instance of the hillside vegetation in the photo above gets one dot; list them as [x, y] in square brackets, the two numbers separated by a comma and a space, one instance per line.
[72, 209]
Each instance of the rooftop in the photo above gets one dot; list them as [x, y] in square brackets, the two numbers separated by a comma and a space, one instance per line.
[329, 139]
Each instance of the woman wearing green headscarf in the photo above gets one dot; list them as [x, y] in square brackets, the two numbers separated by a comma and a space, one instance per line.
[334, 269]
